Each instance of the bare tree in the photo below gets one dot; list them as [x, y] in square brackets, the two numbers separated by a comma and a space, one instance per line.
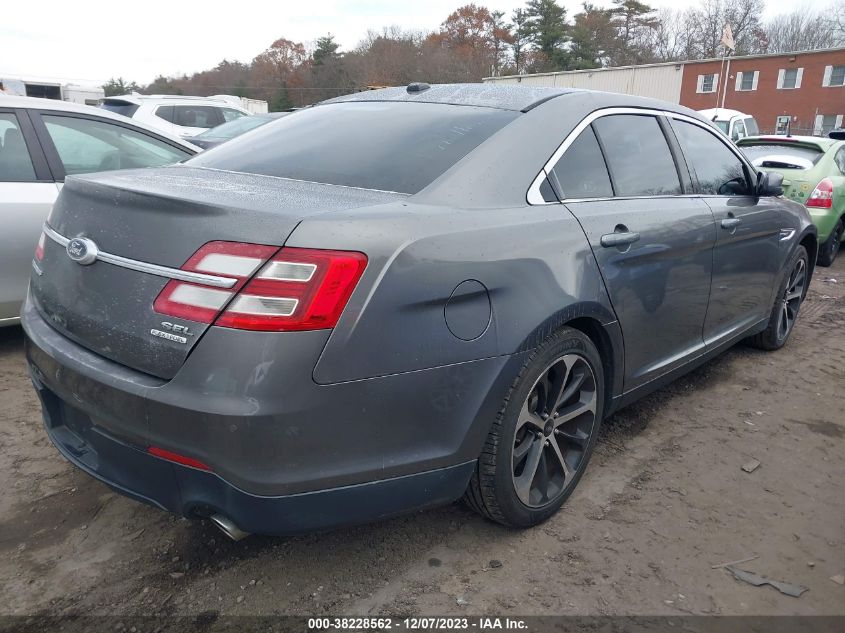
[803, 29]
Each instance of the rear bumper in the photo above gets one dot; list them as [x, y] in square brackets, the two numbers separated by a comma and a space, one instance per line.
[287, 454]
[192, 492]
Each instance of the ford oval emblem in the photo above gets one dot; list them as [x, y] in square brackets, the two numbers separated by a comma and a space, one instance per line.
[82, 250]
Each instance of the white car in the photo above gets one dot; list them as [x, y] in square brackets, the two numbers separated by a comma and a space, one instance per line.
[733, 123]
[175, 114]
[41, 142]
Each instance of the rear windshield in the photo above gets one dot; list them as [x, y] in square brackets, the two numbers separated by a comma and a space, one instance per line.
[119, 107]
[785, 156]
[390, 146]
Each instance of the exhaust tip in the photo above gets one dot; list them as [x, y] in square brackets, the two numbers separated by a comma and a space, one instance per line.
[228, 527]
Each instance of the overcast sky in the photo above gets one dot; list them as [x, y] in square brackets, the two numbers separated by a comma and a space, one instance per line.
[89, 41]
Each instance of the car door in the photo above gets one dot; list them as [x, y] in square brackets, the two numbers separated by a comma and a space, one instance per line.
[81, 144]
[748, 256]
[653, 244]
[27, 193]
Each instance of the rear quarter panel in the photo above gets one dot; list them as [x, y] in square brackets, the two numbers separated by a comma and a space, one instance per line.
[534, 262]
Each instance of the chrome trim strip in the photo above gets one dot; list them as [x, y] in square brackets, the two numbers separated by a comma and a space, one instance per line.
[533, 196]
[151, 269]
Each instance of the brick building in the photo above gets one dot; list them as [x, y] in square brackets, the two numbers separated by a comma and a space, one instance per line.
[808, 88]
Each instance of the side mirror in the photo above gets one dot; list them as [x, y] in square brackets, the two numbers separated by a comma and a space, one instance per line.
[769, 184]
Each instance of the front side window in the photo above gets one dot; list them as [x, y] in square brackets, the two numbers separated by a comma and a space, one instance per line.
[581, 171]
[15, 161]
[719, 171]
[751, 128]
[87, 145]
[637, 155]
[739, 130]
[196, 116]
[391, 146]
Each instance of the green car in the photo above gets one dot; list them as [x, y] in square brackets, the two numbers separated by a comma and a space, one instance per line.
[813, 171]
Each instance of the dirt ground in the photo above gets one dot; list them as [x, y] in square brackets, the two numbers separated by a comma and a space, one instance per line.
[663, 500]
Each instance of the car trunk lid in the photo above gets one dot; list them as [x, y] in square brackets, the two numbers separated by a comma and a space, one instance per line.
[160, 217]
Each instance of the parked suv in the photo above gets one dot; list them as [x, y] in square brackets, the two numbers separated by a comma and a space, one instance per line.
[183, 116]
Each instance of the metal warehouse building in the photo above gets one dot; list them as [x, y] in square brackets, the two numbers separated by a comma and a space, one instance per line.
[807, 89]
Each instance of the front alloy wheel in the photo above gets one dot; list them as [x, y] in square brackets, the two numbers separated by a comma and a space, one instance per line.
[790, 294]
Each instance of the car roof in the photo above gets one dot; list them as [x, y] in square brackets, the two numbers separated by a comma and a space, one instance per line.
[138, 99]
[821, 141]
[34, 103]
[505, 97]
[722, 114]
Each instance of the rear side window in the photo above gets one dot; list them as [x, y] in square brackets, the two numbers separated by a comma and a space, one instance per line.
[86, 145]
[391, 146]
[197, 116]
[638, 156]
[15, 162]
[718, 170]
[119, 107]
[581, 172]
[166, 113]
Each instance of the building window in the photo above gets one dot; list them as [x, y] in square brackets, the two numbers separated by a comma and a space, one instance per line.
[707, 83]
[825, 123]
[782, 124]
[790, 78]
[747, 80]
[834, 76]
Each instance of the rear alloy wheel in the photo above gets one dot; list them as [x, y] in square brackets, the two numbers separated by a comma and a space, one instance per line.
[787, 303]
[542, 439]
[830, 249]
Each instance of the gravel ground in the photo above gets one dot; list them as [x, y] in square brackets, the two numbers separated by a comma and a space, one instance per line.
[663, 500]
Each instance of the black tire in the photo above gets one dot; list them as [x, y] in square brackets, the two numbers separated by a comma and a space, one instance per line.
[492, 491]
[775, 335]
[830, 248]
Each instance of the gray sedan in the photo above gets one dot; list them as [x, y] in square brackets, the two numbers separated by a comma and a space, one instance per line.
[400, 298]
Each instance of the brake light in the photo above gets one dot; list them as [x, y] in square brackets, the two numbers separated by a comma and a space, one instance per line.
[39, 248]
[201, 303]
[822, 196]
[297, 289]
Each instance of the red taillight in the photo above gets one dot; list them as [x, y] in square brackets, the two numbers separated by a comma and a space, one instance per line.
[225, 259]
[39, 248]
[176, 458]
[822, 196]
[298, 289]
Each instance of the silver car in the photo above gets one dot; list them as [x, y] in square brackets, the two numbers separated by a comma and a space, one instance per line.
[41, 142]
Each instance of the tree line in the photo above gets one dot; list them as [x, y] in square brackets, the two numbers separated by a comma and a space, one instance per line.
[475, 42]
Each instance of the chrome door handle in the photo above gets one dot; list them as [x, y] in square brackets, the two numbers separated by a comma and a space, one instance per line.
[731, 223]
[619, 239]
